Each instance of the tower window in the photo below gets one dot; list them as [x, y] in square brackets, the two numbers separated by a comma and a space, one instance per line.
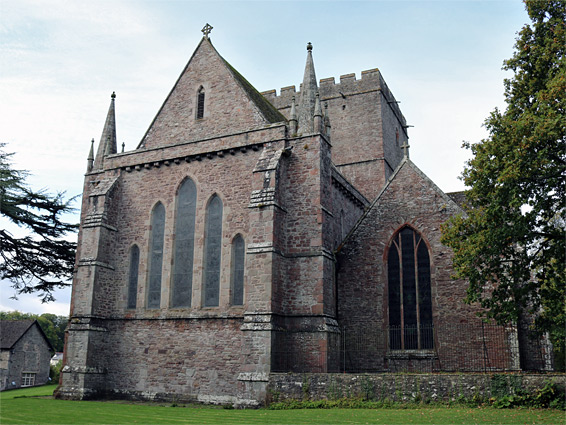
[410, 307]
[200, 103]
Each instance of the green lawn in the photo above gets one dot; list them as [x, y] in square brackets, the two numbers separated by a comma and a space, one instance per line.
[28, 407]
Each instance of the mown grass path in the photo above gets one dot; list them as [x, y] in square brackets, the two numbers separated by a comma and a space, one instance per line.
[28, 407]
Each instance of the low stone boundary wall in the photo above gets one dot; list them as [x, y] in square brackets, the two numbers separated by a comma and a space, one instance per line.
[403, 387]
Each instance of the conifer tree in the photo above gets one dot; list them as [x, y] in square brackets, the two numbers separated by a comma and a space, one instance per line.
[42, 260]
[511, 244]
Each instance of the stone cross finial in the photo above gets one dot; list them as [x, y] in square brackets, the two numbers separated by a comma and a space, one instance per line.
[206, 30]
[405, 148]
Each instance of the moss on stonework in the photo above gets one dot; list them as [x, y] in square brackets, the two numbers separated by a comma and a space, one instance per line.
[267, 109]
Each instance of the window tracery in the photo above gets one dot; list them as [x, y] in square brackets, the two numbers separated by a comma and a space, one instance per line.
[410, 304]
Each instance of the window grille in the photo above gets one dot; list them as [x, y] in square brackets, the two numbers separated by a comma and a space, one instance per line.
[28, 379]
[410, 306]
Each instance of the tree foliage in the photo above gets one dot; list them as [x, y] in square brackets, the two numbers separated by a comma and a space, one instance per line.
[53, 326]
[510, 245]
[43, 260]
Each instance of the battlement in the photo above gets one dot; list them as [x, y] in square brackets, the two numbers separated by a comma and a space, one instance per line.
[371, 80]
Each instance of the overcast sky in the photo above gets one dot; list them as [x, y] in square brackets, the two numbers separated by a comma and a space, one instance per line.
[60, 61]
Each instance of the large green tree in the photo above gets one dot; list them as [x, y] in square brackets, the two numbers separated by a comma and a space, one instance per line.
[43, 259]
[510, 245]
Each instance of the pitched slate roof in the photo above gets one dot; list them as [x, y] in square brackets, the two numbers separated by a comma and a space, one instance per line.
[12, 330]
[267, 109]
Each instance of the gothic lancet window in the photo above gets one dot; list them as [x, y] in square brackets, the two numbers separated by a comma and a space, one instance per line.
[410, 306]
[156, 256]
[184, 245]
[237, 275]
[212, 251]
[200, 102]
[133, 276]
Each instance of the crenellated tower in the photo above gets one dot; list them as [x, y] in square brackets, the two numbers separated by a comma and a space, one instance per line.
[368, 128]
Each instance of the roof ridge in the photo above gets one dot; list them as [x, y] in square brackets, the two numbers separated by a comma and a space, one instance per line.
[269, 111]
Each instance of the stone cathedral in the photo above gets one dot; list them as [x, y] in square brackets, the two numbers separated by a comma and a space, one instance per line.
[250, 234]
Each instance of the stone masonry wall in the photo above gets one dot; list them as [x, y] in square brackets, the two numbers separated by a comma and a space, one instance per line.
[30, 354]
[136, 195]
[4, 362]
[227, 107]
[116, 215]
[303, 250]
[182, 359]
[410, 200]
[402, 387]
[364, 117]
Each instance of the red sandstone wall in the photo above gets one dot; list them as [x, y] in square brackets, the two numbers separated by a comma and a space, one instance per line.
[199, 360]
[139, 191]
[410, 199]
[364, 117]
[227, 108]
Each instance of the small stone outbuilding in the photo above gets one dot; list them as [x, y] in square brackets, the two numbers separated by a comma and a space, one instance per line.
[25, 353]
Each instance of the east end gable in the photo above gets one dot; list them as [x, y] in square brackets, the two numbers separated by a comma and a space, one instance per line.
[209, 99]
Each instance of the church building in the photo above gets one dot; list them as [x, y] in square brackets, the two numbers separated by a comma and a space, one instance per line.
[250, 234]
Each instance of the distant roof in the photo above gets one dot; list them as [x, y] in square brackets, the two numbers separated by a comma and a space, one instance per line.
[12, 330]
[459, 198]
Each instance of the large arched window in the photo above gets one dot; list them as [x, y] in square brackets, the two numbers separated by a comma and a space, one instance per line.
[184, 245]
[410, 308]
[212, 251]
[156, 256]
[200, 103]
[133, 276]
[237, 272]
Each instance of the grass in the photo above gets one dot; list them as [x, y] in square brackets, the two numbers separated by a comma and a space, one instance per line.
[35, 406]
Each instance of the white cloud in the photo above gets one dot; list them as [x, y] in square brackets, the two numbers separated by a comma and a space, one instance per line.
[61, 60]
[30, 303]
